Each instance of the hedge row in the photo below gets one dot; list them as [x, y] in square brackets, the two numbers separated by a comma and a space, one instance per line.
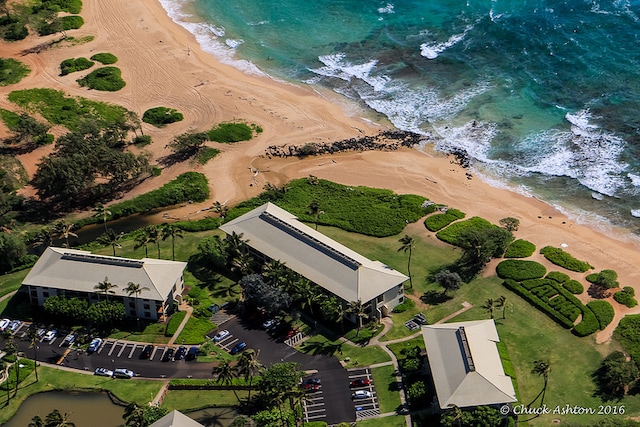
[557, 276]
[439, 221]
[538, 303]
[451, 233]
[588, 325]
[603, 310]
[520, 249]
[199, 225]
[520, 270]
[564, 259]
[573, 286]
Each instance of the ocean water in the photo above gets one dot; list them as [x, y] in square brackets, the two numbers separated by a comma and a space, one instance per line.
[544, 95]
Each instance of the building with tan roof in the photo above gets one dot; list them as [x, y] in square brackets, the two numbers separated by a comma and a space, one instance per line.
[176, 419]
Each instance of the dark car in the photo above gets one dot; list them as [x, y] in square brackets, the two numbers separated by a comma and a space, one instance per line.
[146, 352]
[192, 353]
[311, 381]
[360, 382]
[182, 351]
[168, 355]
[238, 347]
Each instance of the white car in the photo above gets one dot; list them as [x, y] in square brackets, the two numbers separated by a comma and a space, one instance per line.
[4, 323]
[69, 339]
[221, 335]
[269, 323]
[362, 394]
[14, 325]
[50, 335]
[103, 372]
[123, 373]
[95, 345]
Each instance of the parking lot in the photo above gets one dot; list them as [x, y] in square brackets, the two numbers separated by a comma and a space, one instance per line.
[364, 406]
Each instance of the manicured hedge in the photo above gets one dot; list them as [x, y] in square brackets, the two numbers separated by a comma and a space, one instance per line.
[573, 286]
[72, 65]
[628, 334]
[105, 58]
[603, 311]
[162, 116]
[199, 225]
[72, 22]
[557, 276]
[606, 278]
[520, 269]
[108, 79]
[588, 325]
[451, 233]
[439, 221]
[564, 259]
[626, 297]
[538, 303]
[520, 249]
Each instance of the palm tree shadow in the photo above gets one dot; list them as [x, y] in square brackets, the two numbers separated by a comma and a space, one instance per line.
[321, 348]
[435, 297]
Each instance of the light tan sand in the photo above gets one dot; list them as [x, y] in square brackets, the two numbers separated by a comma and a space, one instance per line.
[163, 66]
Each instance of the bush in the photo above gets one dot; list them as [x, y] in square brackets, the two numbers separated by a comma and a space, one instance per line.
[564, 259]
[603, 311]
[199, 225]
[105, 58]
[451, 233]
[108, 79]
[71, 22]
[162, 116]
[439, 221]
[205, 154]
[12, 71]
[607, 279]
[232, 132]
[628, 334]
[72, 65]
[520, 249]
[142, 140]
[520, 270]
[15, 31]
[625, 297]
[558, 277]
[573, 286]
[588, 325]
[407, 304]
[538, 303]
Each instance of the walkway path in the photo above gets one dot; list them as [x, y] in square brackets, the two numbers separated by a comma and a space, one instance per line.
[189, 310]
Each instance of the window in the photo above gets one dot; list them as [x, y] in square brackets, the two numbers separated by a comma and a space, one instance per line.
[34, 293]
[400, 300]
[147, 314]
[132, 304]
[45, 294]
[147, 306]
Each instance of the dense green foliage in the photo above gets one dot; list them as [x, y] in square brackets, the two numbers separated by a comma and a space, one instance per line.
[573, 286]
[439, 221]
[603, 311]
[162, 116]
[520, 249]
[607, 279]
[520, 270]
[205, 154]
[451, 233]
[564, 259]
[558, 276]
[588, 325]
[233, 132]
[70, 112]
[71, 22]
[615, 376]
[12, 71]
[108, 79]
[369, 211]
[626, 297]
[26, 368]
[105, 58]
[77, 311]
[42, 16]
[628, 334]
[199, 225]
[72, 65]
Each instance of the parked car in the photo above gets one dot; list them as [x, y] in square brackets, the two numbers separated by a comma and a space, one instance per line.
[69, 339]
[192, 354]
[94, 345]
[360, 382]
[311, 381]
[238, 347]
[182, 351]
[419, 318]
[50, 335]
[123, 373]
[291, 333]
[168, 355]
[4, 324]
[14, 325]
[146, 352]
[269, 323]
[41, 332]
[362, 394]
[103, 372]
[311, 387]
[221, 335]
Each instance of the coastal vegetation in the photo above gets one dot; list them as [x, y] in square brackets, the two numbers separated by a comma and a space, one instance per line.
[107, 79]
[161, 116]
[41, 16]
[438, 221]
[626, 297]
[564, 259]
[73, 65]
[12, 71]
[520, 249]
[105, 58]
[233, 132]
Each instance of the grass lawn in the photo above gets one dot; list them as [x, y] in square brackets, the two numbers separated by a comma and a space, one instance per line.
[387, 387]
[190, 400]
[11, 282]
[358, 356]
[140, 391]
[194, 331]
[394, 421]
[153, 333]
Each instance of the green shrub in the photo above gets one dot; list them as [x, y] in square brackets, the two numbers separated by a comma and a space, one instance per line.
[538, 303]
[231, 132]
[439, 221]
[625, 297]
[108, 79]
[520, 270]
[520, 249]
[174, 323]
[142, 140]
[558, 277]
[156, 171]
[71, 22]
[72, 65]
[105, 58]
[564, 259]
[12, 71]
[451, 233]
[71, 6]
[573, 286]
[162, 116]
[205, 154]
[588, 325]
[603, 311]
[606, 278]
[628, 334]
[199, 225]
[407, 304]
[15, 31]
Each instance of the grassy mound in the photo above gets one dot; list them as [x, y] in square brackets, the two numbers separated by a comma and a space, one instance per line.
[12, 71]
[73, 65]
[520, 249]
[564, 259]
[108, 79]
[233, 132]
[161, 116]
[105, 58]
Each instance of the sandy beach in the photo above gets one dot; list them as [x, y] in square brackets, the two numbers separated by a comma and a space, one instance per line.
[163, 66]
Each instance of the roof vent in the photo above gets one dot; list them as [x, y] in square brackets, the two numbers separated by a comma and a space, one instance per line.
[96, 259]
[466, 351]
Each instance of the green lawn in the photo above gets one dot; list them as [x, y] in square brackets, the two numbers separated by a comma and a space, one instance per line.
[394, 421]
[358, 356]
[387, 388]
[153, 333]
[190, 400]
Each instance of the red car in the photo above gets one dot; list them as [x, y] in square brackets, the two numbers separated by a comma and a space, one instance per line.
[310, 387]
[360, 382]
[291, 333]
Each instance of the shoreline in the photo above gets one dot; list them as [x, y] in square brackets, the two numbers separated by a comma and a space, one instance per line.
[159, 70]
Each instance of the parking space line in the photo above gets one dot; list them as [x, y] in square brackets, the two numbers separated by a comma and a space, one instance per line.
[113, 346]
[121, 350]
[154, 353]
[133, 348]
[101, 347]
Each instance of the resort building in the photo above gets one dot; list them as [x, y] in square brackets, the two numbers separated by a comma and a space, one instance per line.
[275, 234]
[76, 273]
[176, 419]
[465, 365]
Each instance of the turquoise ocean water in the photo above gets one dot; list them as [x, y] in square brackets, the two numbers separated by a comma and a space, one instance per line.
[544, 95]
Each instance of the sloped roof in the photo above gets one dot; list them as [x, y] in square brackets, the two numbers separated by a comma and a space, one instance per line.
[278, 234]
[77, 270]
[176, 419]
[465, 364]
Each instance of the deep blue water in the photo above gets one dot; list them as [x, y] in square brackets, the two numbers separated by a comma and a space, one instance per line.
[543, 94]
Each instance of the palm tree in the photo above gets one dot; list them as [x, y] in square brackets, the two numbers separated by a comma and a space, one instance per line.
[334, 309]
[169, 230]
[274, 271]
[32, 335]
[142, 241]
[153, 234]
[308, 294]
[36, 421]
[105, 287]
[314, 209]
[357, 309]
[220, 208]
[56, 419]
[248, 366]
[408, 243]
[490, 305]
[101, 211]
[243, 263]
[111, 238]
[225, 375]
[63, 231]
[542, 369]
[134, 415]
[502, 303]
[135, 289]
[44, 238]
[235, 244]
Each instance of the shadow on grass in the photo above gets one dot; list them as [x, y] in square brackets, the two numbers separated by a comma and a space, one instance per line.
[321, 348]
[435, 297]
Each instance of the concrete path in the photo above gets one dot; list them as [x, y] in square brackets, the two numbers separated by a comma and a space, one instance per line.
[189, 310]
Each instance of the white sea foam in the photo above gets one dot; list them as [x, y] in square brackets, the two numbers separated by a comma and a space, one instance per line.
[432, 50]
[232, 43]
[337, 66]
[387, 9]
[635, 213]
[635, 179]
[597, 196]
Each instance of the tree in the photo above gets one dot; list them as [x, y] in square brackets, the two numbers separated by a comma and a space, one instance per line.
[187, 144]
[102, 212]
[408, 243]
[263, 295]
[235, 245]
[135, 289]
[105, 313]
[450, 281]
[242, 263]
[308, 294]
[56, 419]
[142, 240]
[616, 375]
[32, 335]
[278, 382]
[153, 236]
[63, 231]
[105, 287]
[360, 311]
[134, 415]
[12, 249]
[36, 421]
[275, 272]
[542, 369]
[502, 303]
[170, 230]
[30, 131]
[510, 224]
[333, 309]
[248, 366]
[314, 209]
[490, 305]
[479, 245]
[111, 238]
[225, 374]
